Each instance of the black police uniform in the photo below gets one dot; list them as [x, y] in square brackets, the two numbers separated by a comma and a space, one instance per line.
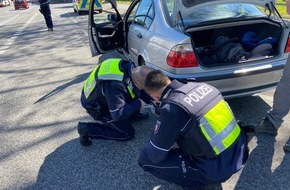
[161, 159]
[115, 107]
[45, 10]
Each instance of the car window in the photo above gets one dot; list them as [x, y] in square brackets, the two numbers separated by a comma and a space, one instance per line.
[223, 11]
[144, 14]
[169, 5]
[133, 13]
[101, 13]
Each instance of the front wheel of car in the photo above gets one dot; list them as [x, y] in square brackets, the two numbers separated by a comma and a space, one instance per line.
[141, 62]
[120, 51]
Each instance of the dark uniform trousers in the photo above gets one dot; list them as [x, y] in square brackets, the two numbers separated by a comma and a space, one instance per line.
[111, 130]
[176, 168]
[45, 10]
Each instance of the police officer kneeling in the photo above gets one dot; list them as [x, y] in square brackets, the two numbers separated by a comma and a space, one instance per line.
[113, 96]
[196, 142]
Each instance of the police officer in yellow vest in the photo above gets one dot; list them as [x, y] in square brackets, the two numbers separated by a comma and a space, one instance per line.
[197, 142]
[112, 95]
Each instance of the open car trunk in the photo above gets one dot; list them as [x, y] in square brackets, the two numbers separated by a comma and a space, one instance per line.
[236, 42]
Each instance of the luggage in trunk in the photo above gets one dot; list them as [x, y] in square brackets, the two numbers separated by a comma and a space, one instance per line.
[236, 42]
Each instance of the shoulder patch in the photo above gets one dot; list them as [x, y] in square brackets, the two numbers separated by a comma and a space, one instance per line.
[157, 126]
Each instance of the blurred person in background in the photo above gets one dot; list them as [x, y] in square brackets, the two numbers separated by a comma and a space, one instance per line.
[45, 11]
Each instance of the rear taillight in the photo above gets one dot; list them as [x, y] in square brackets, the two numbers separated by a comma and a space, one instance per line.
[287, 48]
[182, 56]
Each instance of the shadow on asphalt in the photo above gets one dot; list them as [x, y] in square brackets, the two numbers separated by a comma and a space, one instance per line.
[259, 172]
[254, 108]
[76, 80]
[110, 165]
[106, 165]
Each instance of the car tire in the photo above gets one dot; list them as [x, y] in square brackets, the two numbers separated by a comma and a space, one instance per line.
[120, 51]
[141, 62]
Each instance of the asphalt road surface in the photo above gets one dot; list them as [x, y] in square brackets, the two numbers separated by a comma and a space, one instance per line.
[41, 76]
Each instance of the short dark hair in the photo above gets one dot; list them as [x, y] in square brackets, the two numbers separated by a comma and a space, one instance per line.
[155, 80]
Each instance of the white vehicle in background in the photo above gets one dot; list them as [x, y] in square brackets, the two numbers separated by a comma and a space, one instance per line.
[4, 3]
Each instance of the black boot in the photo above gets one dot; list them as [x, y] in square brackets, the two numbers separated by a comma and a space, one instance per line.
[266, 127]
[84, 139]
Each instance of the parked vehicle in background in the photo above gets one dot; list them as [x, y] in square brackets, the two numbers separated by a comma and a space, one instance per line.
[81, 6]
[238, 46]
[21, 4]
[4, 3]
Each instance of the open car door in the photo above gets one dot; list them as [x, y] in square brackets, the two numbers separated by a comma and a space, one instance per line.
[105, 28]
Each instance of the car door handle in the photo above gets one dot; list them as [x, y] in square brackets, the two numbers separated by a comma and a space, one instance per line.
[139, 35]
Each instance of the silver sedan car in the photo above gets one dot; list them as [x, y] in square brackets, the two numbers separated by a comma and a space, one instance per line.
[240, 47]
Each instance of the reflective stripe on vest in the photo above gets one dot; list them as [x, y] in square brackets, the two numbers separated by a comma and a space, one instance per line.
[219, 127]
[90, 84]
[109, 70]
[130, 90]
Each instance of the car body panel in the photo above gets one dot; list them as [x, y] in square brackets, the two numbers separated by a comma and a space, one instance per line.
[153, 44]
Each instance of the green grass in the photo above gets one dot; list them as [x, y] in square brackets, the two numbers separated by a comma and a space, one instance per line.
[280, 5]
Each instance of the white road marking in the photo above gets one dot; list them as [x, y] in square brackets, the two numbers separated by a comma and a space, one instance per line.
[14, 36]
[9, 20]
[4, 47]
